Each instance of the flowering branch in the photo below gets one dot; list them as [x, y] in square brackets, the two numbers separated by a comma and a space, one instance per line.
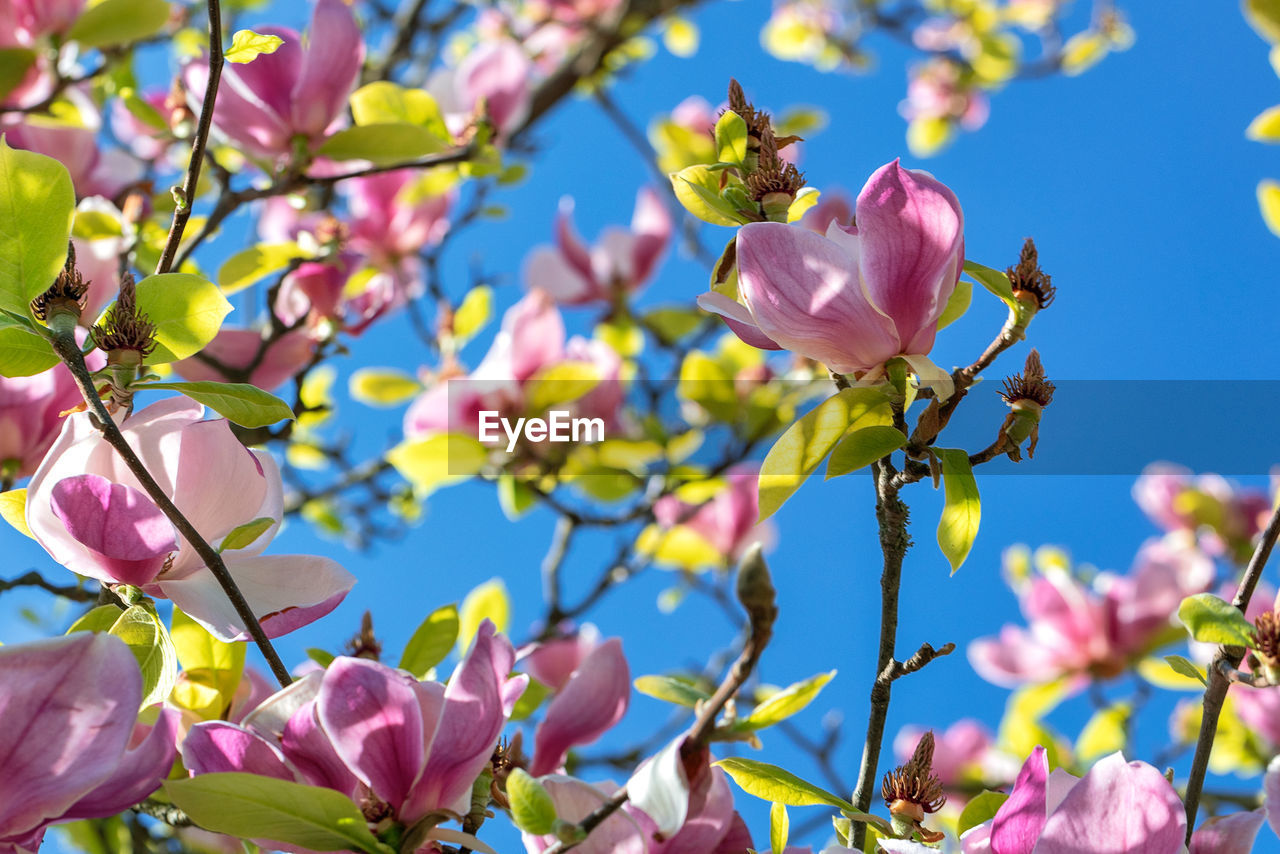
[1215, 693]
[182, 212]
[64, 344]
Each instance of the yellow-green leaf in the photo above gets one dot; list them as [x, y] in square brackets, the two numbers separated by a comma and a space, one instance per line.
[244, 404]
[671, 690]
[1269, 204]
[1266, 126]
[698, 189]
[187, 310]
[383, 387]
[13, 509]
[731, 138]
[963, 508]
[779, 827]
[37, 207]
[147, 638]
[431, 641]
[489, 601]
[250, 266]
[786, 702]
[438, 460]
[862, 447]
[771, 783]
[472, 313]
[246, 46]
[114, 22]
[532, 809]
[1104, 733]
[23, 353]
[1264, 17]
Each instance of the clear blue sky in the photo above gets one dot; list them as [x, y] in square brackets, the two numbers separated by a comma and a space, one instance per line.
[1138, 185]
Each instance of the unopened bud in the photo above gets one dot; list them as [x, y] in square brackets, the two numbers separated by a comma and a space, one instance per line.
[755, 588]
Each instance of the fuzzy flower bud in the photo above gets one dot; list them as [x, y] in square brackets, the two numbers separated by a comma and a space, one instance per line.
[912, 790]
[1027, 394]
[1032, 286]
[65, 297]
[127, 335]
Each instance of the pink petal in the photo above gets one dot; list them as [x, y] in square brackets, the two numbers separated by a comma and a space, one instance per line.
[335, 52]
[576, 254]
[251, 107]
[651, 225]
[1020, 819]
[532, 337]
[738, 318]
[139, 773]
[477, 702]
[215, 747]
[372, 717]
[595, 699]
[498, 72]
[803, 292]
[553, 662]
[128, 537]
[575, 800]
[710, 818]
[310, 750]
[69, 705]
[237, 348]
[284, 591]
[1232, 834]
[1117, 807]
[547, 270]
[911, 230]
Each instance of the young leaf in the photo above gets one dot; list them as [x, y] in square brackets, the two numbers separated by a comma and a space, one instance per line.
[963, 508]
[385, 144]
[961, 297]
[671, 690]
[250, 266]
[213, 664]
[438, 460]
[15, 62]
[532, 809]
[37, 206]
[993, 280]
[255, 807]
[863, 447]
[771, 783]
[383, 386]
[731, 138]
[187, 311]
[23, 353]
[13, 509]
[244, 404]
[1212, 620]
[489, 601]
[698, 189]
[779, 827]
[979, 810]
[808, 441]
[786, 702]
[431, 641]
[247, 534]
[246, 46]
[141, 630]
[1185, 668]
[116, 22]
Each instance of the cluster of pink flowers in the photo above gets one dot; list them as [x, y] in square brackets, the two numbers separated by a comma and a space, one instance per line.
[1225, 518]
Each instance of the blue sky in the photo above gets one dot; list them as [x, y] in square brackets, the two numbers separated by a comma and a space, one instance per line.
[1138, 185]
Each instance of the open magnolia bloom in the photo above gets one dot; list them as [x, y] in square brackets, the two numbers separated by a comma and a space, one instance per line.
[71, 745]
[91, 515]
[399, 748]
[864, 293]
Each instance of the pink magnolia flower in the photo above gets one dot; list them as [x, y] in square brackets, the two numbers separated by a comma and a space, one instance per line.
[398, 747]
[575, 800]
[833, 206]
[591, 700]
[31, 417]
[495, 79]
[35, 19]
[1092, 631]
[530, 340]
[1118, 807]
[861, 295]
[292, 94]
[1226, 516]
[1229, 834]
[89, 512]
[391, 219]
[937, 91]
[553, 661]
[729, 521]
[71, 744]
[712, 825]
[233, 351]
[622, 261]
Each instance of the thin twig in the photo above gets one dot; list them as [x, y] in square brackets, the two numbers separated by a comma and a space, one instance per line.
[1216, 691]
[182, 212]
[64, 344]
[35, 579]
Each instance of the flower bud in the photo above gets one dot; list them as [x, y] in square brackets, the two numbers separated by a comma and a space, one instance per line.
[1027, 394]
[126, 334]
[62, 303]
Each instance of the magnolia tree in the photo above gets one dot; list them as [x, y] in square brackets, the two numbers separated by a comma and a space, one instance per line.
[158, 158]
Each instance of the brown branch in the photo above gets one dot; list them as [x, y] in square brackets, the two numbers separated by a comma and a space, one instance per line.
[35, 579]
[182, 212]
[1215, 693]
[64, 344]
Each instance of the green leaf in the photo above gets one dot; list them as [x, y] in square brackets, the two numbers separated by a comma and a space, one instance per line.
[779, 827]
[23, 353]
[1185, 668]
[246, 46]
[245, 535]
[1265, 127]
[786, 702]
[143, 111]
[980, 810]
[559, 384]
[532, 809]
[731, 138]
[515, 497]
[957, 305]
[472, 313]
[993, 280]
[383, 144]
[37, 207]
[114, 22]
[250, 266]
[254, 807]
[15, 62]
[488, 601]
[808, 441]
[211, 667]
[771, 783]
[147, 638]
[187, 311]
[963, 508]
[534, 693]
[863, 447]
[431, 641]
[698, 189]
[13, 509]
[383, 387]
[244, 404]
[99, 619]
[438, 460]
[1213, 620]
[1264, 17]
[383, 102]
[671, 690]
[1103, 733]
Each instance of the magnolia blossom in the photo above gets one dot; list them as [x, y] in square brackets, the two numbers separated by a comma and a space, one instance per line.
[1092, 630]
[238, 355]
[729, 520]
[398, 747]
[31, 416]
[293, 94]
[530, 340]
[833, 206]
[622, 260]
[394, 216]
[587, 703]
[862, 294]
[1118, 807]
[495, 80]
[71, 744]
[1226, 516]
[90, 513]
